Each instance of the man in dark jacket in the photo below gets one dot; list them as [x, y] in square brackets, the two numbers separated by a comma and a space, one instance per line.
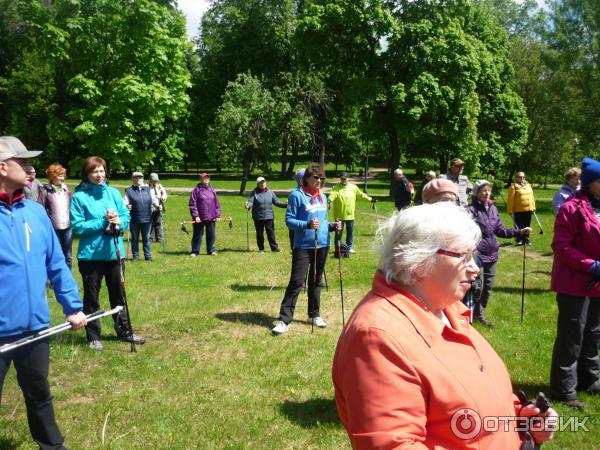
[400, 190]
[29, 255]
[140, 201]
[261, 201]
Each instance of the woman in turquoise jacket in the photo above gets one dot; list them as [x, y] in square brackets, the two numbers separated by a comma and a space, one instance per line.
[307, 216]
[96, 209]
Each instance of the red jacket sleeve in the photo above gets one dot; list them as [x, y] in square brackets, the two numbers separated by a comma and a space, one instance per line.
[565, 233]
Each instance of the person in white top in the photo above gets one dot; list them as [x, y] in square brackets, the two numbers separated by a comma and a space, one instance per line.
[160, 194]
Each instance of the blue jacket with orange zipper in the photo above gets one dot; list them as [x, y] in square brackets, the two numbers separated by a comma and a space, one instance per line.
[30, 253]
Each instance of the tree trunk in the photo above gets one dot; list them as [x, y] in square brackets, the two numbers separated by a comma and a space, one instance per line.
[246, 171]
[284, 147]
[394, 160]
[443, 159]
[321, 135]
[293, 157]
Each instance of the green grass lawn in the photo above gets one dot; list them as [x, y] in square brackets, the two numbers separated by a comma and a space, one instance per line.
[212, 376]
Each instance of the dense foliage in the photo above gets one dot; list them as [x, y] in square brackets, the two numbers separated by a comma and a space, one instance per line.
[504, 85]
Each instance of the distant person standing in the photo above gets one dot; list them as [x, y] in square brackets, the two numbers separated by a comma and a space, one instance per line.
[428, 177]
[140, 201]
[32, 190]
[400, 190]
[205, 210]
[56, 198]
[158, 210]
[521, 205]
[455, 175]
[343, 197]
[572, 183]
[261, 201]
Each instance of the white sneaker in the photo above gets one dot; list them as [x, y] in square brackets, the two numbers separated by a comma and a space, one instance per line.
[318, 321]
[352, 250]
[280, 328]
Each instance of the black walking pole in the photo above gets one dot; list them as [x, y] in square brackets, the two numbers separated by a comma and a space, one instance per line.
[340, 270]
[122, 275]
[247, 230]
[312, 320]
[523, 284]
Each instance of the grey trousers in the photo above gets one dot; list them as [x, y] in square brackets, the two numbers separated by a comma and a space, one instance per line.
[575, 362]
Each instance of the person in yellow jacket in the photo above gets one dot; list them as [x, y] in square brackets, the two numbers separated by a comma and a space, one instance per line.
[343, 197]
[521, 205]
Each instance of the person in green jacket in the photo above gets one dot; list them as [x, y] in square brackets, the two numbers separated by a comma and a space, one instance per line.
[343, 197]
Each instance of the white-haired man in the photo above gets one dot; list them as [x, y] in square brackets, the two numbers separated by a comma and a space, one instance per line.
[401, 190]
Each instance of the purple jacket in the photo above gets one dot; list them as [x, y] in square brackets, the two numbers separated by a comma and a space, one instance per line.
[204, 203]
[488, 219]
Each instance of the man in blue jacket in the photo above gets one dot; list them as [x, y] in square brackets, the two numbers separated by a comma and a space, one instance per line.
[30, 253]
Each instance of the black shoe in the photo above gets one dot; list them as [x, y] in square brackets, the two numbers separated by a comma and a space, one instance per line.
[138, 340]
[276, 250]
[594, 388]
[575, 404]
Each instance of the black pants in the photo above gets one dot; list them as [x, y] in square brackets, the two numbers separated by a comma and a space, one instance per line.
[522, 220]
[575, 362]
[31, 363]
[291, 235]
[303, 260]
[488, 271]
[211, 237]
[268, 226]
[92, 273]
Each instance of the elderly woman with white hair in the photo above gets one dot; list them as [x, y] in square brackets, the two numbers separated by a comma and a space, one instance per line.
[409, 370]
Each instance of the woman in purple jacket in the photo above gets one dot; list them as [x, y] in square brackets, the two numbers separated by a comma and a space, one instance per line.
[575, 276]
[205, 210]
[486, 215]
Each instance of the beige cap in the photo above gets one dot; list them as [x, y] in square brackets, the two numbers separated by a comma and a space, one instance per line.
[11, 147]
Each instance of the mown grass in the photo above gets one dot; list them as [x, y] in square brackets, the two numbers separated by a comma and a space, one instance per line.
[212, 376]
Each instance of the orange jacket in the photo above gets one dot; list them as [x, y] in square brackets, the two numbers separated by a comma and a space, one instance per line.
[400, 375]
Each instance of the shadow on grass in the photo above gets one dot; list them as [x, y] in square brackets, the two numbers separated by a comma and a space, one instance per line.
[517, 290]
[252, 287]
[311, 413]
[8, 444]
[532, 390]
[248, 318]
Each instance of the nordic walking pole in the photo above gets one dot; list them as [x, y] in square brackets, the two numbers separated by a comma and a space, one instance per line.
[122, 275]
[340, 270]
[538, 222]
[377, 233]
[56, 329]
[312, 321]
[247, 230]
[162, 234]
[523, 284]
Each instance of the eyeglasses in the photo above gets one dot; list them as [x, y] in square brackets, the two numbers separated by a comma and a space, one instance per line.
[317, 177]
[465, 258]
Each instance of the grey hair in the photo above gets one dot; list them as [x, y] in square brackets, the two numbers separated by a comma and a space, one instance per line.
[414, 235]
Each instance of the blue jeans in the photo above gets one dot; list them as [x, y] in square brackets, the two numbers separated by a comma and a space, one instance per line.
[135, 228]
[211, 237]
[349, 225]
[65, 237]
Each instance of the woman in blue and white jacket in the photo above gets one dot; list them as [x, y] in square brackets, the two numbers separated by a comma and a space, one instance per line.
[96, 209]
[307, 216]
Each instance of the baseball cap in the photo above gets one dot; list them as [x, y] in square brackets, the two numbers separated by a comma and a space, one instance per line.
[154, 176]
[137, 174]
[204, 175]
[344, 175]
[11, 147]
[457, 162]
[259, 179]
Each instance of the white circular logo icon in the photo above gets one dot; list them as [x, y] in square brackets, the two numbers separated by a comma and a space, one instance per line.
[465, 424]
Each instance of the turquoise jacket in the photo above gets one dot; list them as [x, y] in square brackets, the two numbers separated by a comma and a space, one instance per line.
[299, 212]
[30, 254]
[88, 208]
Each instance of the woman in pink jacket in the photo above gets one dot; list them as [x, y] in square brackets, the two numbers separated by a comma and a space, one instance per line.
[575, 275]
[409, 370]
